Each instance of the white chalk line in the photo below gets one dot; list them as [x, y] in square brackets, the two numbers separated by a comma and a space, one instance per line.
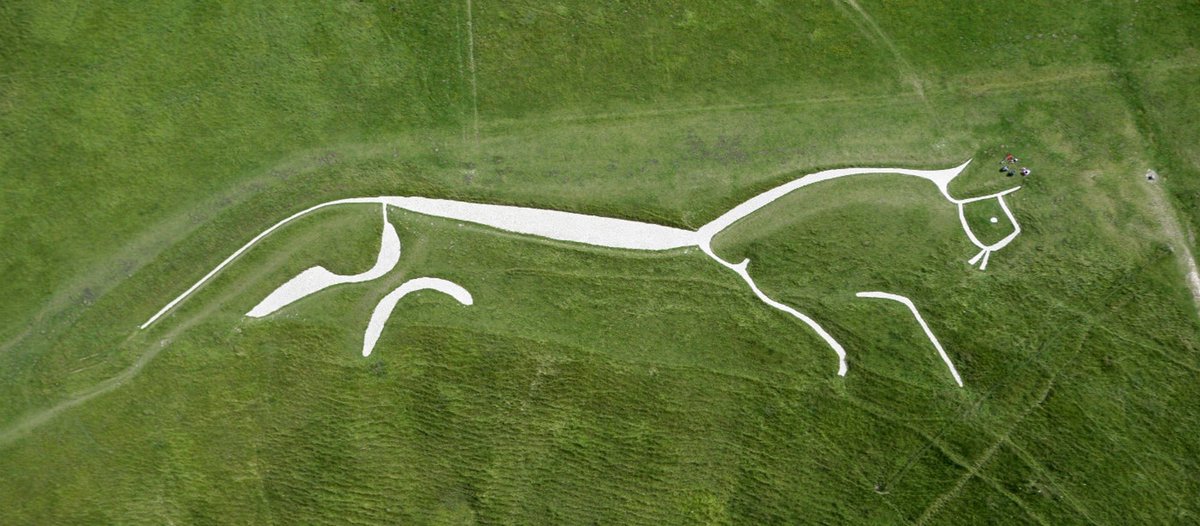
[985, 250]
[908, 303]
[740, 269]
[940, 178]
[588, 229]
[552, 224]
[383, 310]
[702, 238]
[246, 247]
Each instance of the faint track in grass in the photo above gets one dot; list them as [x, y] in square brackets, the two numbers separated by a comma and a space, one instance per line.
[1037, 467]
[1115, 295]
[945, 451]
[872, 31]
[30, 421]
[471, 67]
[1113, 303]
[863, 478]
[1149, 347]
[1175, 236]
[974, 469]
[973, 85]
[36, 419]
[708, 108]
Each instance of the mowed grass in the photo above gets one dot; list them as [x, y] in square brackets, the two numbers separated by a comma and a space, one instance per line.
[143, 145]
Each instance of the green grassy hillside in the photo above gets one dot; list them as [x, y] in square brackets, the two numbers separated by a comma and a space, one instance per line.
[142, 144]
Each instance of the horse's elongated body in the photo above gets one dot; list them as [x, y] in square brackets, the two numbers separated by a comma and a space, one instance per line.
[584, 229]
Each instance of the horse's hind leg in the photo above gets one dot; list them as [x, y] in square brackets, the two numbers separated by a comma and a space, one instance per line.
[319, 278]
[384, 309]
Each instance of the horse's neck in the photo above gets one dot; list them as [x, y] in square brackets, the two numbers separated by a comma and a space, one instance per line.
[763, 199]
[941, 178]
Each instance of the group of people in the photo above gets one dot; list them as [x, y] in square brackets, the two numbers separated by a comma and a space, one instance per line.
[1009, 159]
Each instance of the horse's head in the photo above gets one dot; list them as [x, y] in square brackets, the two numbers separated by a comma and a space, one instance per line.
[943, 178]
[940, 178]
[985, 248]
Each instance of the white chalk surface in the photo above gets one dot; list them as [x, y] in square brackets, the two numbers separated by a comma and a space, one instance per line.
[553, 224]
[319, 278]
[246, 247]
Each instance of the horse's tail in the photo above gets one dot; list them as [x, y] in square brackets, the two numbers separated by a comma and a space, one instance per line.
[247, 246]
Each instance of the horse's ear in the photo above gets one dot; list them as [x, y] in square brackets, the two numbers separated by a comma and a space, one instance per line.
[942, 178]
[958, 170]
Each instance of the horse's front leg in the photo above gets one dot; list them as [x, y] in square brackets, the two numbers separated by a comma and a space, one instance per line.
[740, 269]
[908, 303]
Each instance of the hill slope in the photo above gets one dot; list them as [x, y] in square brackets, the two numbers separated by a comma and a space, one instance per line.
[142, 144]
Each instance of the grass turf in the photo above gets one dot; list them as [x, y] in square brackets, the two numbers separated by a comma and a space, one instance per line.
[143, 144]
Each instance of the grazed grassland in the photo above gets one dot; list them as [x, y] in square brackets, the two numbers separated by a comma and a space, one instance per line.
[141, 144]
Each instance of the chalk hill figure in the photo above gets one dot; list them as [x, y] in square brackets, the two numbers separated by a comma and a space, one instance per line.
[588, 230]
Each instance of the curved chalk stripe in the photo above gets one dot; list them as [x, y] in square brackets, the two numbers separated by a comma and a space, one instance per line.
[962, 218]
[1011, 219]
[228, 260]
[384, 309]
[940, 178]
[907, 302]
[621, 233]
[319, 278]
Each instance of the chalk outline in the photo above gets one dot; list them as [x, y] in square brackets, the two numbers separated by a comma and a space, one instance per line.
[634, 235]
[383, 310]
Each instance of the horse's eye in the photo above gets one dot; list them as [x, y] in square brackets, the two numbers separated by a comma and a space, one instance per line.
[994, 219]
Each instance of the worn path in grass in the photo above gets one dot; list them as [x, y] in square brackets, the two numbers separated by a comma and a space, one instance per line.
[31, 421]
[1175, 236]
[907, 72]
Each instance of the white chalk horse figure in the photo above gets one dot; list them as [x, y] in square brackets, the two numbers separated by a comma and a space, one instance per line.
[589, 230]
